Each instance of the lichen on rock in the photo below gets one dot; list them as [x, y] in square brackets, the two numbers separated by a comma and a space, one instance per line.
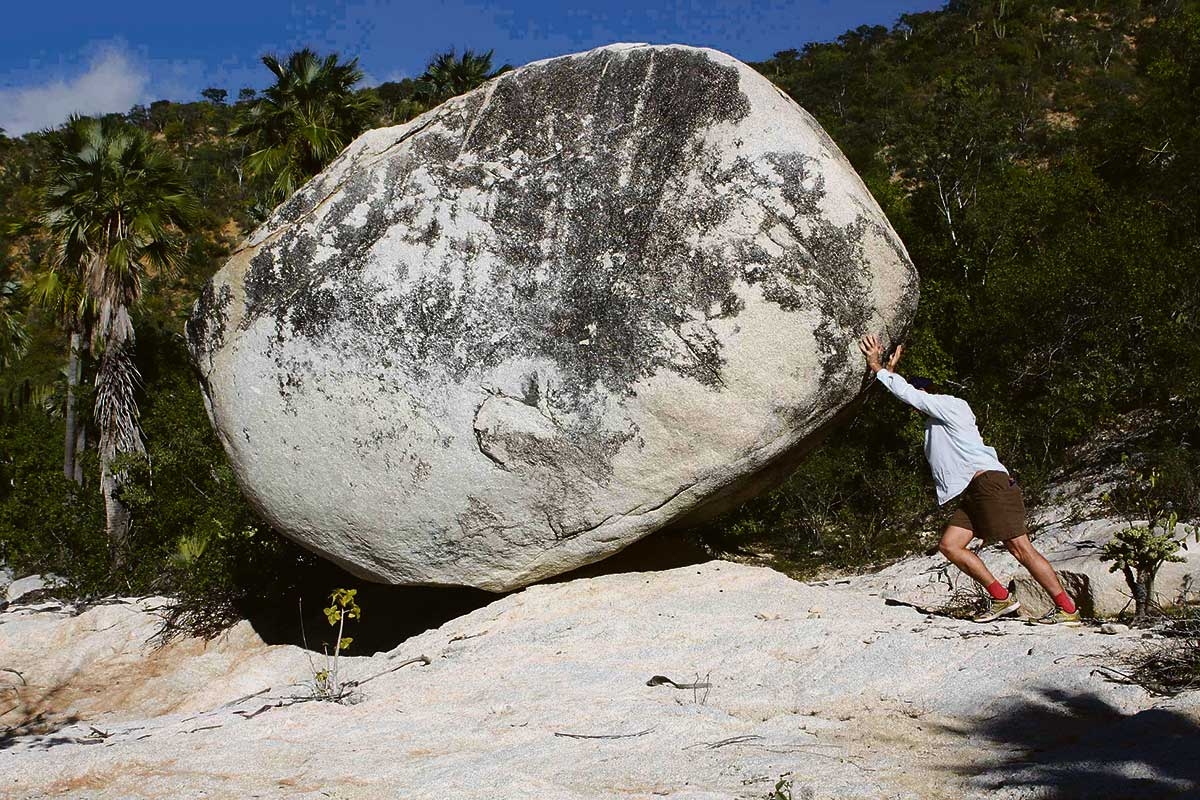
[571, 306]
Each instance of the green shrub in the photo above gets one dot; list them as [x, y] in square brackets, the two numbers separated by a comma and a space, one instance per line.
[193, 537]
[1150, 540]
[48, 523]
[847, 505]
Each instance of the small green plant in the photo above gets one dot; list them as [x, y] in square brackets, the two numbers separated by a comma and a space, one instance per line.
[784, 790]
[1148, 542]
[327, 684]
[189, 549]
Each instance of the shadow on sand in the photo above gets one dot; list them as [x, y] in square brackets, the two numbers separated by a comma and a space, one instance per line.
[1056, 745]
[393, 614]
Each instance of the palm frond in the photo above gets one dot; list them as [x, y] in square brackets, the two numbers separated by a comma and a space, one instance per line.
[14, 339]
[449, 75]
[303, 120]
[116, 411]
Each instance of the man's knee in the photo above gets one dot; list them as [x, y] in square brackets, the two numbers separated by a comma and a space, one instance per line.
[1020, 547]
[954, 540]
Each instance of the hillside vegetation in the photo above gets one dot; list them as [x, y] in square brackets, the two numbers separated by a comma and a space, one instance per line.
[1040, 160]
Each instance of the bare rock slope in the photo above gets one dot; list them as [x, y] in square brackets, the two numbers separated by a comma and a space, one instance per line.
[544, 693]
[600, 294]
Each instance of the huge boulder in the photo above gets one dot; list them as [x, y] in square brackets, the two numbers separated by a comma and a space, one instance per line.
[599, 294]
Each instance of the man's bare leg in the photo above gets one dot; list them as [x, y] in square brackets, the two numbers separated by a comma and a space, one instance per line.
[954, 547]
[1024, 551]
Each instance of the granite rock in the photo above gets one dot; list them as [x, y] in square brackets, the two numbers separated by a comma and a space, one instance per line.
[546, 693]
[599, 295]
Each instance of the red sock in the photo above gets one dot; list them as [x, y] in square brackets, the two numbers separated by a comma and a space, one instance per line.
[998, 592]
[1065, 603]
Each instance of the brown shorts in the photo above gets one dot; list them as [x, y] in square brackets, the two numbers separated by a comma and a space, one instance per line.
[991, 507]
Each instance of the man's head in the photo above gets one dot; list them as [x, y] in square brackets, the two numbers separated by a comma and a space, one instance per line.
[924, 384]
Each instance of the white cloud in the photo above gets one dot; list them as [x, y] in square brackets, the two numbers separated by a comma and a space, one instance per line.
[112, 82]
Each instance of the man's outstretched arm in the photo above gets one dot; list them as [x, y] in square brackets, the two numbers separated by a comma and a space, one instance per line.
[934, 405]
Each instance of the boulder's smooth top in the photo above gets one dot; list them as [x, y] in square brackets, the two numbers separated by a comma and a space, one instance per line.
[845, 696]
[599, 294]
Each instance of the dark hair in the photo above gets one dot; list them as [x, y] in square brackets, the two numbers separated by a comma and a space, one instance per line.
[924, 383]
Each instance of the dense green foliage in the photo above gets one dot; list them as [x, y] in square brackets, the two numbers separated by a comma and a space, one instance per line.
[304, 119]
[446, 75]
[1040, 160]
[13, 336]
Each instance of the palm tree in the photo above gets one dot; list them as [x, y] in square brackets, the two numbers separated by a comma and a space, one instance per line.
[114, 206]
[448, 75]
[60, 289]
[13, 337]
[304, 119]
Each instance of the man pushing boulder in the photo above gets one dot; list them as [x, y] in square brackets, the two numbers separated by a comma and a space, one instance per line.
[990, 505]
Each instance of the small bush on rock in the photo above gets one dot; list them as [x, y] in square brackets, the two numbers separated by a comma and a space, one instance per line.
[1150, 540]
[785, 790]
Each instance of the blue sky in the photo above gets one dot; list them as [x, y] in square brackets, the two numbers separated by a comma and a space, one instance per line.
[58, 57]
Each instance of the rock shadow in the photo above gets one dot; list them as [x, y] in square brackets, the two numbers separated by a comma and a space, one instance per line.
[662, 550]
[393, 614]
[34, 714]
[390, 614]
[1058, 745]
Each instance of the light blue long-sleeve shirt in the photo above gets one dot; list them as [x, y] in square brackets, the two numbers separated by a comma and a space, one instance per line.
[953, 446]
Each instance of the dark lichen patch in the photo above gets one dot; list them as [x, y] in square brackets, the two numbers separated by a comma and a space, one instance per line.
[286, 278]
[603, 235]
[591, 238]
[818, 258]
[290, 379]
[205, 328]
[288, 384]
[437, 147]
[295, 206]
[531, 393]
[429, 236]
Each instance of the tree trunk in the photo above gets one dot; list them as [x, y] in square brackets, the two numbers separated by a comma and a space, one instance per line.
[116, 516]
[116, 419]
[71, 469]
[1143, 595]
[1148, 591]
[1134, 588]
[80, 446]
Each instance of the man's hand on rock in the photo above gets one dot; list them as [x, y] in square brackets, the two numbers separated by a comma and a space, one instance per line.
[872, 348]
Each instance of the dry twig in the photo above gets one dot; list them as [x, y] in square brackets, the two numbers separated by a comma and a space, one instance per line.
[603, 735]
